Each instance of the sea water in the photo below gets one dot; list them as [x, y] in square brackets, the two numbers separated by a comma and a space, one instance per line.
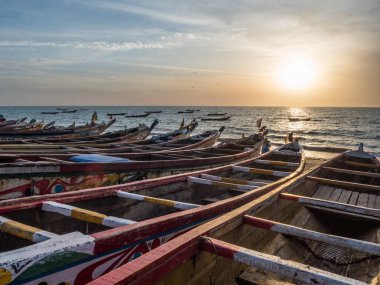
[330, 130]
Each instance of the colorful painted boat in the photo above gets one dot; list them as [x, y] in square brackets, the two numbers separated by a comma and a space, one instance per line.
[127, 135]
[32, 130]
[298, 119]
[217, 114]
[63, 238]
[320, 228]
[49, 113]
[29, 175]
[216, 119]
[115, 114]
[138, 116]
[178, 139]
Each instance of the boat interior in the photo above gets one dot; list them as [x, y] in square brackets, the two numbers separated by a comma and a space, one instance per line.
[120, 208]
[141, 146]
[321, 229]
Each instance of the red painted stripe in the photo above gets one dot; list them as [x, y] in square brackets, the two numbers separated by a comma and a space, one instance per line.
[117, 237]
[155, 265]
[7, 206]
[217, 247]
[257, 222]
[290, 197]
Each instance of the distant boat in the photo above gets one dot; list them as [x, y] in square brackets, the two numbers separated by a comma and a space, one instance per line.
[216, 119]
[69, 111]
[299, 119]
[116, 114]
[186, 112]
[138, 116]
[153, 112]
[49, 113]
[217, 114]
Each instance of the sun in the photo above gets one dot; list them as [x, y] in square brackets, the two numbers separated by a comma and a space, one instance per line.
[297, 74]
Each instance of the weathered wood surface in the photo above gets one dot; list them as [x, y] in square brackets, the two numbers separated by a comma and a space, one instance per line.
[290, 269]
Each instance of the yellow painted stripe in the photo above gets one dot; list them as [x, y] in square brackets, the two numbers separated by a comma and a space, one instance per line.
[88, 216]
[235, 181]
[159, 201]
[279, 163]
[222, 184]
[19, 230]
[5, 276]
[261, 171]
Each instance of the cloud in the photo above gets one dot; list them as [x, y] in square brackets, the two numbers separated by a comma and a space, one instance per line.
[154, 13]
[165, 42]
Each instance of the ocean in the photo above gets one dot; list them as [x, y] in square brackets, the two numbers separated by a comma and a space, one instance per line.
[330, 130]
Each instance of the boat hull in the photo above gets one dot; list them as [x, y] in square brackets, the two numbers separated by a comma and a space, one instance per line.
[90, 256]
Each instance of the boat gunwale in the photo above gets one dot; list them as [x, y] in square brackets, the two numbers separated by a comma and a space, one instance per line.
[155, 265]
[90, 168]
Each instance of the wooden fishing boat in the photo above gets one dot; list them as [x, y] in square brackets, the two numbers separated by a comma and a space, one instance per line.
[35, 130]
[320, 228]
[138, 116]
[28, 175]
[178, 140]
[69, 111]
[116, 114]
[127, 135]
[216, 119]
[49, 113]
[66, 237]
[217, 114]
[298, 119]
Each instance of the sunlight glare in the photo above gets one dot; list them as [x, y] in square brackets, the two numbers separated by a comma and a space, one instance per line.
[297, 74]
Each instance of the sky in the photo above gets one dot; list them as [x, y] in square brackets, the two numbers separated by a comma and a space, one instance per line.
[223, 53]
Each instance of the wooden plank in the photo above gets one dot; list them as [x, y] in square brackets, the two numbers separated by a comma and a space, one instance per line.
[24, 231]
[371, 201]
[353, 172]
[344, 197]
[233, 180]
[286, 268]
[354, 198]
[261, 171]
[340, 241]
[159, 201]
[335, 194]
[344, 213]
[220, 184]
[323, 192]
[352, 163]
[362, 200]
[276, 163]
[377, 202]
[343, 183]
[85, 215]
[332, 205]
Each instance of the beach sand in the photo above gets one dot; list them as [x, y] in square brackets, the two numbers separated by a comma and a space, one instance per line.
[312, 162]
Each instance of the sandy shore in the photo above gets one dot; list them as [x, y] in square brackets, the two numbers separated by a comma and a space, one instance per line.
[311, 162]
